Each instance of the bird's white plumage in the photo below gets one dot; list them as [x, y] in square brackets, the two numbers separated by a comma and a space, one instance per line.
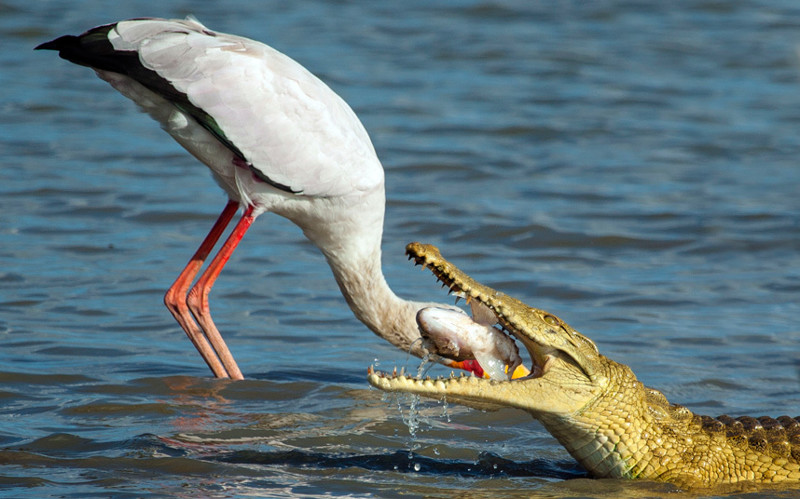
[286, 122]
[248, 101]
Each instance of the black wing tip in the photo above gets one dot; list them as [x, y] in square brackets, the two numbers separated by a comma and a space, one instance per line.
[59, 43]
[91, 48]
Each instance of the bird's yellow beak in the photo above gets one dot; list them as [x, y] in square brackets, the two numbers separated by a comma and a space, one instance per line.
[473, 367]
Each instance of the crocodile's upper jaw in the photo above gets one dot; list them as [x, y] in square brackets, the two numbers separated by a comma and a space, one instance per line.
[566, 374]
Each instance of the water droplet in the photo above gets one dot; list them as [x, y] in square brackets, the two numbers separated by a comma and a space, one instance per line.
[425, 365]
[411, 419]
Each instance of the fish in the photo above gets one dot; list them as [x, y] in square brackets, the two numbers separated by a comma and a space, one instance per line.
[455, 335]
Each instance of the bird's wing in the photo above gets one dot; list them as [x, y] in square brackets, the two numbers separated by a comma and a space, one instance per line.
[288, 126]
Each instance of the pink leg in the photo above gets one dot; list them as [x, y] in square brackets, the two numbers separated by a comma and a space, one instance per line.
[198, 295]
[175, 298]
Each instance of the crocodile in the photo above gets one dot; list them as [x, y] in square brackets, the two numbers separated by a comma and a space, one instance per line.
[610, 422]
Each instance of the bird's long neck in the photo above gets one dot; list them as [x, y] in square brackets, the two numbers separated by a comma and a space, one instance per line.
[351, 243]
[375, 304]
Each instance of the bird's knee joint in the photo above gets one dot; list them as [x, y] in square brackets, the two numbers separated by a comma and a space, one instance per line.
[196, 300]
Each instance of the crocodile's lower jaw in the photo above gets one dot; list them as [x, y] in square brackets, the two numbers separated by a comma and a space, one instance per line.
[465, 389]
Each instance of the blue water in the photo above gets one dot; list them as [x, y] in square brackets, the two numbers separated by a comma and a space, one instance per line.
[629, 166]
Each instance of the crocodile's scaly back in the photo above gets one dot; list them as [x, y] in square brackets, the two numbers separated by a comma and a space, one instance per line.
[609, 421]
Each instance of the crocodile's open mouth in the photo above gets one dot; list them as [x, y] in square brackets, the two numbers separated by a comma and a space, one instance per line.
[561, 376]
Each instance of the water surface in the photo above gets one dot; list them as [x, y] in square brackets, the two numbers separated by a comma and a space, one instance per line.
[629, 166]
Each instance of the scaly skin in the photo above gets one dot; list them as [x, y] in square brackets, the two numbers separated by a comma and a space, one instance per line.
[610, 422]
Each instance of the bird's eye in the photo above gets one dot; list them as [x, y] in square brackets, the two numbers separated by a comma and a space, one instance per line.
[553, 321]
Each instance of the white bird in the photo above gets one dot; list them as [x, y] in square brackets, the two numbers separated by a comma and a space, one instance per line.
[276, 139]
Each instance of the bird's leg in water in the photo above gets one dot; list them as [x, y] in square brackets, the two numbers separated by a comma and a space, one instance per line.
[175, 298]
[198, 295]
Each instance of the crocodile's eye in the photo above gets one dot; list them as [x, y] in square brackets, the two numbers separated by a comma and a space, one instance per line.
[553, 321]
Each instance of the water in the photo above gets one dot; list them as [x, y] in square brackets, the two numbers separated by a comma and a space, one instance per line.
[629, 166]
